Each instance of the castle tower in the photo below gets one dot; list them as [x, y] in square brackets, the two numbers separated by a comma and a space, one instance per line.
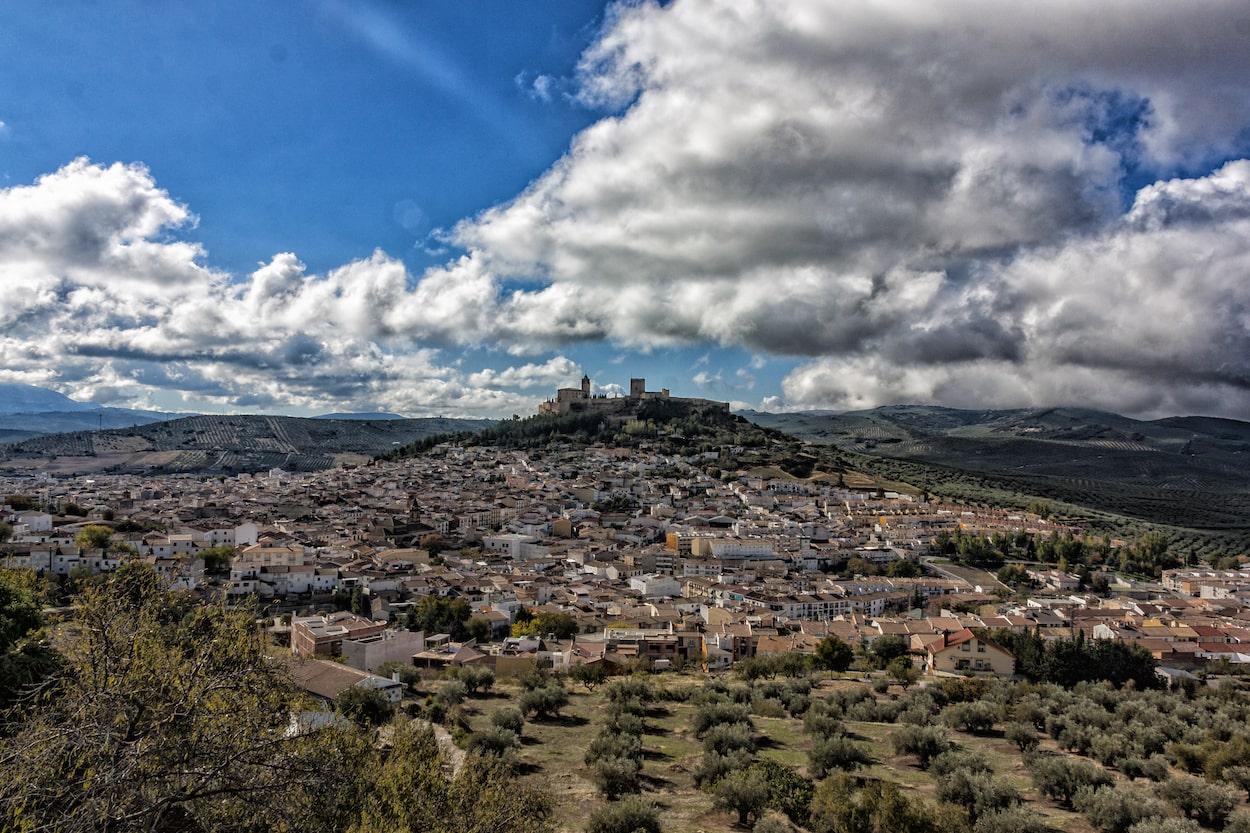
[636, 388]
[585, 386]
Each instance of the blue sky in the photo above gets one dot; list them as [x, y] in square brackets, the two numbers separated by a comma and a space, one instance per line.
[328, 129]
[453, 207]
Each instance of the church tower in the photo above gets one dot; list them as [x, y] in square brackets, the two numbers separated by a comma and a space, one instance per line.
[585, 386]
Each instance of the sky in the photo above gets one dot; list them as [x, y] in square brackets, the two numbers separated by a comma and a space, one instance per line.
[453, 208]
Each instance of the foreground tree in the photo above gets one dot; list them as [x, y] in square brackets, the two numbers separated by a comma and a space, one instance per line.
[169, 716]
[409, 791]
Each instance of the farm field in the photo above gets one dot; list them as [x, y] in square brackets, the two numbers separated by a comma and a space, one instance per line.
[551, 754]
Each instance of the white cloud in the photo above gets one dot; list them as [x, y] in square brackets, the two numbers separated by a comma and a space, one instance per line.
[921, 200]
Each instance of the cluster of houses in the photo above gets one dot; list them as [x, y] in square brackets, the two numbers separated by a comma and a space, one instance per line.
[656, 559]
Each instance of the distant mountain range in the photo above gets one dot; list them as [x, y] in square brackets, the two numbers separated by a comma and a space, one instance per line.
[223, 444]
[28, 411]
[1191, 472]
[363, 416]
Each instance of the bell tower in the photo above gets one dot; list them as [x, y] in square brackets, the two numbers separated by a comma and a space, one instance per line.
[585, 386]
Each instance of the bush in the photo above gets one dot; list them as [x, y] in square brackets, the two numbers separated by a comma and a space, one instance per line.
[838, 752]
[788, 791]
[924, 742]
[1023, 735]
[366, 707]
[1238, 776]
[977, 717]
[608, 744]
[820, 725]
[629, 815]
[1112, 809]
[494, 741]
[726, 738]
[1014, 820]
[954, 760]
[1237, 823]
[715, 714]
[453, 692]
[615, 776]
[508, 718]
[629, 724]
[476, 678]
[1206, 803]
[1154, 768]
[979, 793]
[773, 823]
[714, 766]
[1060, 778]
[1165, 826]
[544, 702]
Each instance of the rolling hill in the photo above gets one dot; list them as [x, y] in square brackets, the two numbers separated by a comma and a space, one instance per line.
[223, 444]
[1189, 472]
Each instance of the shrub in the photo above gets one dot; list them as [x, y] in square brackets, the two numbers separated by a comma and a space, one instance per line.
[508, 718]
[1206, 803]
[977, 716]
[838, 752]
[1023, 735]
[631, 814]
[629, 724]
[820, 725]
[453, 692]
[544, 702]
[714, 766]
[1014, 820]
[1112, 809]
[1155, 768]
[494, 741]
[630, 688]
[773, 823]
[615, 776]
[608, 744]
[476, 678]
[366, 707]
[979, 793]
[768, 708]
[728, 737]
[1165, 826]
[924, 742]
[1238, 823]
[1238, 776]
[715, 714]
[1060, 778]
[788, 791]
[953, 760]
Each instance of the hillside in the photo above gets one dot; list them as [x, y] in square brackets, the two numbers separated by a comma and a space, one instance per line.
[224, 444]
[1187, 472]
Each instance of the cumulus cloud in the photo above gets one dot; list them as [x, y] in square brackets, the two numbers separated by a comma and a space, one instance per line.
[104, 302]
[929, 194]
[924, 202]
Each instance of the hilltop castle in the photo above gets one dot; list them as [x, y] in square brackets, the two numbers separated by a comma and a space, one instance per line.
[568, 400]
